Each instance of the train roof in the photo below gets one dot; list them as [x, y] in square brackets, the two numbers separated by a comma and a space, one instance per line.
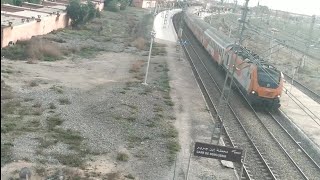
[229, 43]
[219, 37]
[222, 39]
[250, 56]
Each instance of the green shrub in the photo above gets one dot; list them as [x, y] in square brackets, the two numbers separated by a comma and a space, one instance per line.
[80, 13]
[123, 4]
[74, 12]
[113, 6]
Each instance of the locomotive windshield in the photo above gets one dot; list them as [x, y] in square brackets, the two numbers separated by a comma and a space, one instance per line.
[269, 78]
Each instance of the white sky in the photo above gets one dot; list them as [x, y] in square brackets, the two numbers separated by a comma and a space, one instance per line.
[308, 7]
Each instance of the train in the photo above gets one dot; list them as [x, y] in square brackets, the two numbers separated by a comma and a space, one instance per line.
[260, 82]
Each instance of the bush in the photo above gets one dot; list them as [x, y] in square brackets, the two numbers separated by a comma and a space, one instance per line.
[80, 13]
[123, 4]
[113, 6]
[16, 52]
[74, 12]
[139, 43]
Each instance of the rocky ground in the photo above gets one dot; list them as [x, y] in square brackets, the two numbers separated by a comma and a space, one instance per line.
[72, 103]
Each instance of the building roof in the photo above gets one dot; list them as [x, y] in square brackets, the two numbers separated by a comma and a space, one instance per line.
[16, 14]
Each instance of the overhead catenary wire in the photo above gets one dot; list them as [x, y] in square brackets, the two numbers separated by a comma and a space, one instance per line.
[305, 109]
[258, 62]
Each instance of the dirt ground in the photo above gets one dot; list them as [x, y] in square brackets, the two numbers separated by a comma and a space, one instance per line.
[88, 116]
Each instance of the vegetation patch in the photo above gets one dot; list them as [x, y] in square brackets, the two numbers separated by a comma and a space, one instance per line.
[72, 160]
[121, 156]
[33, 83]
[52, 106]
[171, 132]
[6, 154]
[54, 121]
[35, 49]
[64, 101]
[72, 138]
[10, 107]
[173, 147]
[89, 52]
[57, 89]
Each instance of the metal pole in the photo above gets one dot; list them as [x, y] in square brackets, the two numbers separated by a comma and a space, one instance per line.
[244, 158]
[271, 44]
[175, 166]
[152, 37]
[230, 31]
[243, 20]
[191, 150]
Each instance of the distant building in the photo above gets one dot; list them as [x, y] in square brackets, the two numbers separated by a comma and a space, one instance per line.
[144, 3]
[152, 3]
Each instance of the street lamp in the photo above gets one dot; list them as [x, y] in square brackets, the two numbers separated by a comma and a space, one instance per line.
[153, 33]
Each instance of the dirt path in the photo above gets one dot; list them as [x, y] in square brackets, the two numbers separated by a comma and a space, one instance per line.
[193, 122]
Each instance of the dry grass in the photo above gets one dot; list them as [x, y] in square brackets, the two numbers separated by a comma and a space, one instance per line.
[33, 83]
[6, 92]
[139, 43]
[113, 176]
[34, 49]
[41, 49]
[135, 67]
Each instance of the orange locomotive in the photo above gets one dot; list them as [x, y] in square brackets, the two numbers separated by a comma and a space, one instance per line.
[260, 82]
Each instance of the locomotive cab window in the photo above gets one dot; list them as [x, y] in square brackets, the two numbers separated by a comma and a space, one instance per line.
[269, 78]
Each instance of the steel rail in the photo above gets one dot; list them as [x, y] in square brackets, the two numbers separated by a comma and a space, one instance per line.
[254, 147]
[312, 94]
[297, 143]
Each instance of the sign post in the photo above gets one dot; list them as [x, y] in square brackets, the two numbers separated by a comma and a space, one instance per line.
[218, 152]
[242, 163]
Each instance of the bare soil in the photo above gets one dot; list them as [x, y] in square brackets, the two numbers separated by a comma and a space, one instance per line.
[88, 116]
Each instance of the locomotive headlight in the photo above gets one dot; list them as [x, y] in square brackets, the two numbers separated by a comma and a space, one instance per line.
[253, 92]
[279, 96]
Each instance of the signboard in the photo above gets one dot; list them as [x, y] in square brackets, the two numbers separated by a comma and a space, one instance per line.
[217, 152]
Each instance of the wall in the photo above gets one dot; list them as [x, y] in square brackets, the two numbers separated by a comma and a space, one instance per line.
[27, 30]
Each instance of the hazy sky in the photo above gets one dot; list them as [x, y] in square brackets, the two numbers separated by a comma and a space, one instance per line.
[308, 7]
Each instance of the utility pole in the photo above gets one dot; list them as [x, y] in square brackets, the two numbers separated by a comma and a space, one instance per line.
[235, 6]
[308, 44]
[226, 90]
[273, 31]
[242, 21]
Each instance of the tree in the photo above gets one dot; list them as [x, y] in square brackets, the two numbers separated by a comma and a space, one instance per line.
[123, 4]
[114, 6]
[80, 13]
[74, 12]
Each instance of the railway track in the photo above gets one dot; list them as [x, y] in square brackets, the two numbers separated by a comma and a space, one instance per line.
[259, 164]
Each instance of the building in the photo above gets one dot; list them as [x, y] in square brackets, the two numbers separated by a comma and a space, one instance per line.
[22, 23]
[144, 3]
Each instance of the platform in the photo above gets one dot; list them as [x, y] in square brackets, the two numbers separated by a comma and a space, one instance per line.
[164, 27]
[303, 112]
